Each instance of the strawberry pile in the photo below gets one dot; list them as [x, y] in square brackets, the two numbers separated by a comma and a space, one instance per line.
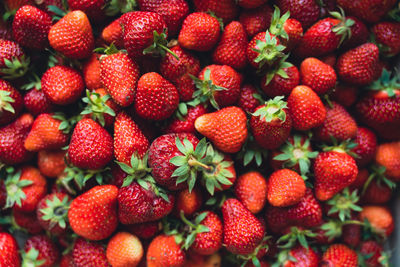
[168, 133]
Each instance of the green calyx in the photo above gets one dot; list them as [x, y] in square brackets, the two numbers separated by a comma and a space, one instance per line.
[5, 102]
[344, 203]
[67, 124]
[14, 188]
[297, 153]
[278, 70]
[378, 173]
[137, 171]
[206, 89]
[115, 7]
[97, 107]
[108, 50]
[343, 29]
[251, 151]
[182, 109]
[244, 259]
[15, 68]
[333, 228]
[268, 51]
[277, 23]
[34, 82]
[296, 235]
[283, 257]
[58, 12]
[159, 46]
[193, 228]
[344, 147]
[272, 109]
[56, 212]
[387, 82]
[81, 177]
[30, 258]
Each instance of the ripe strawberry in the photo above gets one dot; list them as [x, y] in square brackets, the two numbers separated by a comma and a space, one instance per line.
[164, 251]
[13, 61]
[40, 251]
[128, 139]
[387, 36]
[36, 102]
[62, 85]
[317, 75]
[281, 80]
[358, 65]
[302, 256]
[339, 255]
[46, 134]
[31, 27]
[26, 221]
[52, 212]
[251, 4]
[91, 146]
[179, 71]
[67, 260]
[25, 188]
[145, 230]
[218, 84]
[387, 155]
[377, 193]
[93, 215]
[338, 124]
[271, 123]
[9, 250]
[188, 202]
[294, 30]
[113, 33]
[345, 95]
[370, 11]
[307, 12]
[11, 102]
[249, 98]
[51, 163]
[91, 72]
[185, 123]
[231, 49]
[366, 146]
[359, 34]
[305, 108]
[12, 138]
[226, 128]
[243, 232]
[333, 171]
[227, 10]
[72, 35]
[119, 75]
[124, 249]
[371, 252]
[256, 20]
[200, 32]
[251, 189]
[93, 9]
[44, 5]
[89, 254]
[156, 98]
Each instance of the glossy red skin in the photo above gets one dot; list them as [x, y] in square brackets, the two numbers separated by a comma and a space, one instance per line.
[227, 10]
[374, 250]
[307, 12]
[94, 9]
[368, 10]
[9, 250]
[256, 20]
[247, 101]
[36, 102]
[294, 29]
[304, 257]
[91, 72]
[163, 251]
[9, 50]
[89, 254]
[359, 34]
[28, 221]
[210, 242]
[387, 34]
[188, 203]
[366, 148]
[187, 124]
[146, 230]
[279, 85]
[340, 255]
[47, 249]
[161, 151]
[317, 75]
[6, 116]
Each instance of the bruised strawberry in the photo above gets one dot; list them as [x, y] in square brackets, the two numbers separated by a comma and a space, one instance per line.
[251, 189]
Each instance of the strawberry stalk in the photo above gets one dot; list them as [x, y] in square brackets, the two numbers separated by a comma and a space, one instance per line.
[56, 212]
[159, 46]
[295, 235]
[15, 68]
[194, 228]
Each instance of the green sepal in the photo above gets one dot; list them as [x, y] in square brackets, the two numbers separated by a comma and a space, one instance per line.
[283, 257]
[5, 101]
[344, 203]
[114, 7]
[80, 176]
[343, 29]
[268, 51]
[295, 236]
[159, 46]
[345, 146]
[15, 68]
[277, 23]
[277, 69]
[251, 151]
[30, 258]
[58, 12]
[14, 188]
[67, 124]
[194, 228]
[272, 109]
[97, 107]
[34, 82]
[56, 212]
[387, 82]
[244, 259]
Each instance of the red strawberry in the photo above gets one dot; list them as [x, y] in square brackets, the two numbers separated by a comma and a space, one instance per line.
[145, 230]
[11, 102]
[13, 62]
[302, 257]
[5, 30]
[317, 75]
[243, 232]
[271, 123]
[91, 146]
[200, 31]
[294, 30]
[28, 221]
[345, 95]
[36, 102]
[368, 10]
[89, 254]
[113, 33]
[91, 72]
[9, 250]
[377, 192]
[387, 155]
[188, 202]
[227, 10]
[249, 98]
[179, 71]
[72, 35]
[164, 251]
[256, 20]
[251, 189]
[93, 9]
[231, 49]
[51, 163]
[307, 12]
[156, 98]
[281, 80]
[40, 251]
[31, 27]
[225, 128]
[358, 65]
[366, 146]
[62, 85]
[124, 249]
[387, 36]
[251, 3]
[372, 252]
[185, 123]
[339, 255]
[359, 34]
[67, 260]
[12, 138]
[93, 215]
[305, 108]
[119, 75]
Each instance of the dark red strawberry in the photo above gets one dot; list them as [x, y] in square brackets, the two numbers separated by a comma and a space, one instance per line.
[284, 78]
[256, 20]
[227, 10]
[93, 9]
[145, 230]
[41, 251]
[387, 36]
[371, 252]
[368, 10]
[359, 34]
[307, 12]
[249, 98]
[27, 221]
[36, 102]
[184, 123]
[11, 102]
[366, 146]
[345, 95]
[13, 61]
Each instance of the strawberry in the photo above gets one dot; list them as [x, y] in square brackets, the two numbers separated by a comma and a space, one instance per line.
[91, 72]
[200, 32]
[93, 215]
[25, 188]
[124, 249]
[249, 98]
[226, 128]
[62, 85]
[9, 250]
[251, 4]
[52, 212]
[243, 232]
[89, 254]
[227, 10]
[145, 230]
[185, 123]
[302, 256]
[271, 123]
[5, 30]
[371, 252]
[387, 155]
[11, 102]
[369, 11]
[359, 34]
[387, 35]
[46, 134]
[231, 49]
[156, 98]
[338, 124]
[26, 221]
[305, 108]
[40, 251]
[256, 20]
[339, 255]
[179, 71]
[219, 84]
[31, 27]
[72, 35]
[164, 251]
[36, 102]
[119, 75]
[281, 80]
[307, 12]
[93, 9]
[317, 75]
[12, 138]
[251, 189]
[128, 139]
[44, 5]
[91, 146]
[188, 202]
[345, 95]
[13, 61]
[67, 260]
[334, 170]
[377, 193]
[113, 33]
[366, 146]
[358, 65]
[51, 163]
